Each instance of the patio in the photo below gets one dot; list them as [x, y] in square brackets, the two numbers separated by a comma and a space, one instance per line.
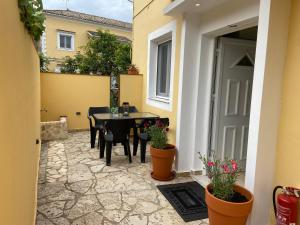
[76, 188]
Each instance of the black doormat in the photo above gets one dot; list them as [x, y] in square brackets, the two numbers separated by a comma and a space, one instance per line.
[187, 199]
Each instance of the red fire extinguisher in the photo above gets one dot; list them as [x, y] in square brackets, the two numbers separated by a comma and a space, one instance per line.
[287, 209]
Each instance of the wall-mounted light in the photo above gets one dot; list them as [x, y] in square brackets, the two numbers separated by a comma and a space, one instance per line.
[197, 4]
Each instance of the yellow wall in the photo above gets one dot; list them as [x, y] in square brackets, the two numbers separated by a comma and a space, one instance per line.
[65, 94]
[19, 119]
[142, 26]
[288, 156]
[131, 90]
[81, 36]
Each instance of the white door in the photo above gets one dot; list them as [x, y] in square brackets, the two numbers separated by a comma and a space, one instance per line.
[234, 77]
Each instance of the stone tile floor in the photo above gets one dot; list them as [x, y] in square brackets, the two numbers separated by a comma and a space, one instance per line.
[76, 188]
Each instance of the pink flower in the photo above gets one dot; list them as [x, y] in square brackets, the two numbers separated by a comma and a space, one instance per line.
[234, 165]
[225, 168]
[210, 164]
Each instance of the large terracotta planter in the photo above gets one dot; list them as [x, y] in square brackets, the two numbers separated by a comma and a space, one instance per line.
[228, 213]
[162, 162]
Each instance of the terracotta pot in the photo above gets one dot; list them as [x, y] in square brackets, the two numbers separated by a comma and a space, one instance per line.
[228, 213]
[162, 162]
[133, 72]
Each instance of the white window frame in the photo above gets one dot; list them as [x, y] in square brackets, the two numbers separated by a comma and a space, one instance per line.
[72, 35]
[163, 34]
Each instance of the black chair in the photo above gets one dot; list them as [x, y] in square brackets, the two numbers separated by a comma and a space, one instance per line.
[97, 125]
[144, 136]
[118, 131]
[132, 109]
[136, 126]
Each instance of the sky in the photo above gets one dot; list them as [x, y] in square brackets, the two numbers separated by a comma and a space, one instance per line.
[114, 9]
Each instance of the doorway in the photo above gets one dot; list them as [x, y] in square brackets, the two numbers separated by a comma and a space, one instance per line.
[231, 95]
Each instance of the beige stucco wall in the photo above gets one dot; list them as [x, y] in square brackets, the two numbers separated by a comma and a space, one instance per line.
[149, 20]
[81, 36]
[66, 94]
[19, 119]
[131, 90]
[288, 155]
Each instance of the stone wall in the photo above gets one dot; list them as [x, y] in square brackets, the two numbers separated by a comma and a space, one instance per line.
[54, 130]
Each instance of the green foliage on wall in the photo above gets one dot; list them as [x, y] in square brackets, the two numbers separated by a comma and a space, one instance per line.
[102, 55]
[44, 62]
[31, 13]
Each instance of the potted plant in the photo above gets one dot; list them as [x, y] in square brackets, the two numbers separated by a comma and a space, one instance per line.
[227, 203]
[133, 70]
[162, 153]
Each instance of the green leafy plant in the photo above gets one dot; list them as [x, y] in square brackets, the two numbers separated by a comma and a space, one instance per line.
[70, 65]
[102, 55]
[123, 57]
[44, 62]
[158, 133]
[223, 176]
[31, 13]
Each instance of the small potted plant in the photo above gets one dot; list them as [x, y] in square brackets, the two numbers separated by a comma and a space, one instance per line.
[162, 153]
[133, 70]
[227, 203]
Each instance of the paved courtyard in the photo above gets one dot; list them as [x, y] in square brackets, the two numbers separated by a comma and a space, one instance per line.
[76, 188]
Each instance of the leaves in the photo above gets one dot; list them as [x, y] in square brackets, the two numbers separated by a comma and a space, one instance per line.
[223, 176]
[102, 55]
[158, 134]
[31, 14]
[44, 62]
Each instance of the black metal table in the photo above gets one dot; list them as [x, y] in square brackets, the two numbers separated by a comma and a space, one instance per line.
[134, 116]
[106, 117]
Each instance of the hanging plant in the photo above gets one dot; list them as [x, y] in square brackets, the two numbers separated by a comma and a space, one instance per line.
[31, 13]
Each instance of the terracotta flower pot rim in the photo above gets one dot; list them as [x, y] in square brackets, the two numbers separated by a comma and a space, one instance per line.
[235, 203]
[170, 148]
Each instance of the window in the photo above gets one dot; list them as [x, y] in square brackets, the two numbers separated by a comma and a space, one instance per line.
[163, 69]
[161, 48]
[65, 41]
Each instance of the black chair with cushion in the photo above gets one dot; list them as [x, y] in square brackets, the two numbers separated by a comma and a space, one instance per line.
[97, 125]
[144, 137]
[118, 131]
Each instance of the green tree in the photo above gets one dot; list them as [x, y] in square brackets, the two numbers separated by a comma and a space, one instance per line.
[123, 57]
[102, 55]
